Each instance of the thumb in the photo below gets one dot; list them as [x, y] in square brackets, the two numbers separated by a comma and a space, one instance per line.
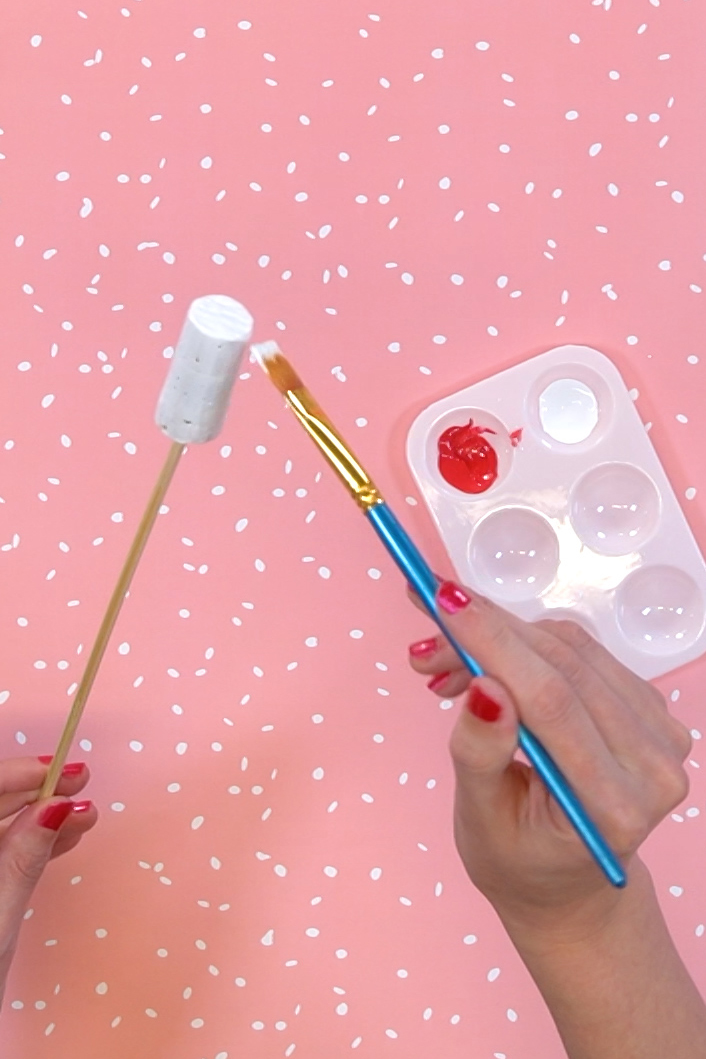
[483, 744]
[25, 849]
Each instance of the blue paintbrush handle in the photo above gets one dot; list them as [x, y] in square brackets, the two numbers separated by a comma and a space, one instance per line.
[415, 568]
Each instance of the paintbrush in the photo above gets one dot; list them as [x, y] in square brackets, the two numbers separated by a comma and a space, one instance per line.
[420, 576]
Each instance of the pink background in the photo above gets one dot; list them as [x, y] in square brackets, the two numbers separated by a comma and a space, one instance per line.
[216, 827]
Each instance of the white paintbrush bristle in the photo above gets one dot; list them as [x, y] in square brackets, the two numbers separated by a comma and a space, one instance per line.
[264, 351]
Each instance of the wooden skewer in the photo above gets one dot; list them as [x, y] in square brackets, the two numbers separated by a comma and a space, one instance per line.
[110, 618]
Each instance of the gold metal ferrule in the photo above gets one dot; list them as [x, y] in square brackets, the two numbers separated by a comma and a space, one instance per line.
[334, 448]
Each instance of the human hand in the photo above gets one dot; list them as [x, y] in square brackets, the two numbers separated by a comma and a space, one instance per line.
[609, 731]
[38, 832]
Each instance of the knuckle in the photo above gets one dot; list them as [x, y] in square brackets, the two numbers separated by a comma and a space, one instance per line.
[573, 633]
[676, 785]
[678, 737]
[25, 869]
[564, 658]
[554, 700]
[656, 696]
[683, 738]
[497, 633]
[629, 825]
[468, 754]
[671, 781]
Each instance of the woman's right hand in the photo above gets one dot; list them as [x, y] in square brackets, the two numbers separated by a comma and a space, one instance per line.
[601, 957]
[609, 731]
[31, 833]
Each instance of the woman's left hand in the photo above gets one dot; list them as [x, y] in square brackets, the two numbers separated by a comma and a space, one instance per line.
[31, 834]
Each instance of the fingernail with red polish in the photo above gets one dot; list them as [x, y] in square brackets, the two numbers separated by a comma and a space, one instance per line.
[436, 682]
[81, 807]
[482, 706]
[54, 815]
[423, 648]
[451, 598]
[74, 768]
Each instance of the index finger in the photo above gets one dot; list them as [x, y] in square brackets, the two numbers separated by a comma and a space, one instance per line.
[20, 775]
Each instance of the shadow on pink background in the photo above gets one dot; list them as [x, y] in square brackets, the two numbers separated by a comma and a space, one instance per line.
[274, 872]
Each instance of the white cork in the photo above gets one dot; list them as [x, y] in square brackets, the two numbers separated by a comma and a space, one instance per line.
[195, 396]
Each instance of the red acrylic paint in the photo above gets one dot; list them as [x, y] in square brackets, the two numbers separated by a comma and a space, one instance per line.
[467, 460]
[516, 437]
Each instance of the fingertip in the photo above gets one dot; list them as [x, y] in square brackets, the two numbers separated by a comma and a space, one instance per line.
[484, 739]
[482, 705]
[83, 817]
[438, 681]
[451, 598]
[53, 815]
[424, 649]
[71, 783]
[489, 701]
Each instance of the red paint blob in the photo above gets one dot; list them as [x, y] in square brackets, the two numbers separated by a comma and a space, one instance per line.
[516, 437]
[467, 460]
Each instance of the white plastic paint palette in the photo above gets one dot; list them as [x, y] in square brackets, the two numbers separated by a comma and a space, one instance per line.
[581, 521]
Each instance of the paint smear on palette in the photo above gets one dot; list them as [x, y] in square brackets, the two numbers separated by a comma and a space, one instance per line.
[467, 460]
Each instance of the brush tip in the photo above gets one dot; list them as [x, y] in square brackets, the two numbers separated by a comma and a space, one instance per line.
[276, 366]
[264, 351]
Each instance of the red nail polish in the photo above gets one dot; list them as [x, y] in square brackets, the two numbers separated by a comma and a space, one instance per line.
[482, 706]
[423, 648]
[436, 682]
[81, 807]
[54, 815]
[451, 598]
[74, 768]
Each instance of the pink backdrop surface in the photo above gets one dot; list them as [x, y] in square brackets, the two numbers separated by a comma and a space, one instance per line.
[273, 873]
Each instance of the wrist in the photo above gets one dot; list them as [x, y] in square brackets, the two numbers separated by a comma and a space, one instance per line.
[610, 974]
[581, 922]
